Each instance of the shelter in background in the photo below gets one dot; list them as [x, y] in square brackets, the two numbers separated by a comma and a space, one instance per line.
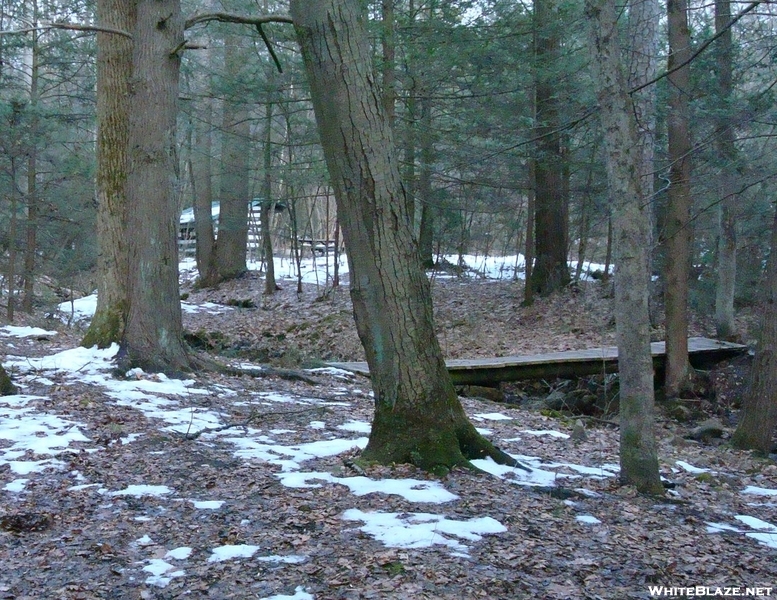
[187, 236]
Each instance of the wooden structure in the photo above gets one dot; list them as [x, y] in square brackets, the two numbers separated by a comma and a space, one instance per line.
[702, 352]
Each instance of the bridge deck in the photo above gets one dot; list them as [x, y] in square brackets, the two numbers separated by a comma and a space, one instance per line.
[703, 352]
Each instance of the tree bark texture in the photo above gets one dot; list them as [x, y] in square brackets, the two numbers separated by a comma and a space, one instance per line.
[758, 419]
[232, 238]
[550, 272]
[32, 176]
[153, 338]
[638, 456]
[114, 73]
[202, 181]
[418, 416]
[678, 215]
[726, 209]
[644, 18]
[270, 285]
[424, 201]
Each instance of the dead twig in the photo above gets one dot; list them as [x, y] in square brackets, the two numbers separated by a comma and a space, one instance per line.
[253, 416]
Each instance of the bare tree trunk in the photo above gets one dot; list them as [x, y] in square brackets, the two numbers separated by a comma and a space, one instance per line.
[678, 218]
[202, 181]
[270, 285]
[153, 338]
[424, 198]
[12, 242]
[232, 238]
[32, 177]
[727, 229]
[608, 252]
[644, 18]
[638, 456]
[585, 213]
[418, 416]
[114, 76]
[528, 293]
[551, 272]
[758, 419]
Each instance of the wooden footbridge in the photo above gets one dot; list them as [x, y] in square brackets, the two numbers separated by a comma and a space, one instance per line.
[702, 352]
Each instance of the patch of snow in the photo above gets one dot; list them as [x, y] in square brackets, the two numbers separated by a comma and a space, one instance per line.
[317, 425]
[273, 453]
[230, 552]
[334, 371]
[207, 307]
[16, 486]
[422, 530]
[78, 311]
[754, 523]
[356, 426]
[143, 490]
[412, 490]
[591, 520]
[759, 491]
[29, 431]
[492, 417]
[540, 475]
[21, 332]
[690, 468]
[291, 559]
[25, 467]
[161, 574]
[765, 533]
[181, 553]
[207, 504]
[299, 594]
[144, 541]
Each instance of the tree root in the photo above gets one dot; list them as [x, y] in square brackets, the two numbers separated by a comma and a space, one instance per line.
[474, 446]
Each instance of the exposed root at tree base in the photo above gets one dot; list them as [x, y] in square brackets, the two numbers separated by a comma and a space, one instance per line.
[474, 446]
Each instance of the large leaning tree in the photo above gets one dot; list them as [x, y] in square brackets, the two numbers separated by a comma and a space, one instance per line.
[418, 416]
[638, 455]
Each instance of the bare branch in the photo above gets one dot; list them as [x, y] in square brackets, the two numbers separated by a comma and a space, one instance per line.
[234, 18]
[749, 8]
[70, 27]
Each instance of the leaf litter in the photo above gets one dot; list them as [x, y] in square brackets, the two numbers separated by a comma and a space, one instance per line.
[104, 496]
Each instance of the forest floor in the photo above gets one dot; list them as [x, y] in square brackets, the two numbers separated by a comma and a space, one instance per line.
[244, 487]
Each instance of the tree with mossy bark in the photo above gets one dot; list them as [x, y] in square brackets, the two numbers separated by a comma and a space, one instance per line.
[114, 72]
[638, 455]
[418, 416]
[6, 387]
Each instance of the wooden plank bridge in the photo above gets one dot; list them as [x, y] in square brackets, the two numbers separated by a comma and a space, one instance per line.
[702, 352]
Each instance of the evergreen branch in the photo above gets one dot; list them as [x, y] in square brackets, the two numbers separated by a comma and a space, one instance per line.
[749, 8]
[223, 17]
[70, 27]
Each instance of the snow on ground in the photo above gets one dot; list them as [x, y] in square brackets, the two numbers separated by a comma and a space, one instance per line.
[27, 432]
[165, 400]
[507, 267]
[420, 530]
[25, 429]
[22, 332]
[319, 270]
